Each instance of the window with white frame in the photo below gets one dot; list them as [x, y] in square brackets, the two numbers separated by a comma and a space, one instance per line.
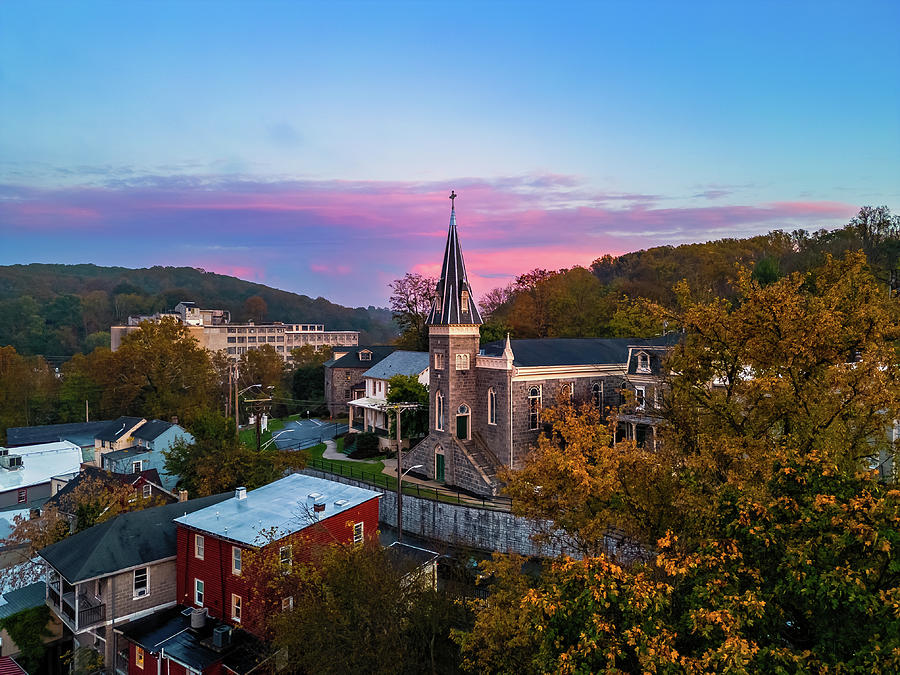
[287, 604]
[235, 560]
[357, 533]
[640, 397]
[139, 657]
[438, 361]
[439, 411]
[146, 490]
[141, 583]
[199, 588]
[236, 608]
[462, 361]
[492, 406]
[365, 355]
[199, 546]
[286, 556]
[136, 466]
[534, 407]
[597, 394]
[566, 391]
[643, 362]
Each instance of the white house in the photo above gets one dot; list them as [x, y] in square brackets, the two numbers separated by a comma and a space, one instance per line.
[367, 413]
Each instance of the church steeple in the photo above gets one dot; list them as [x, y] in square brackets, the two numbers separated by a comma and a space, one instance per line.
[453, 303]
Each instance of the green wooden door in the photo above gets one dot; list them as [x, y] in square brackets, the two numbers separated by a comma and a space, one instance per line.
[462, 427]
[439, 468]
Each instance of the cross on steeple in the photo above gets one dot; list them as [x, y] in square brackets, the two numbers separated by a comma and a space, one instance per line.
[452, 199]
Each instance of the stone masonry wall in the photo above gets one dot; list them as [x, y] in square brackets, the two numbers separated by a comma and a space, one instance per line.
[456, 524]
[496, 436]
[338, 381]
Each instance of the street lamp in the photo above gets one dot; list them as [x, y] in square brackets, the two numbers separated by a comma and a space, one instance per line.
[400, 496]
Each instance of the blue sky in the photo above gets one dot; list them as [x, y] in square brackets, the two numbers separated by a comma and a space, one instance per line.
[278, 141]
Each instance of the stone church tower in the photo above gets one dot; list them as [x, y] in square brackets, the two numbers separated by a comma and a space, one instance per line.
[453, 339]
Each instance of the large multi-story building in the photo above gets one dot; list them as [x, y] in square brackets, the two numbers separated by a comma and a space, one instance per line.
[213, 330]
[486, 401]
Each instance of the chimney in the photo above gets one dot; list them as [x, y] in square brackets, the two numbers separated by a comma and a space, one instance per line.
[240, 493]
[182, 495]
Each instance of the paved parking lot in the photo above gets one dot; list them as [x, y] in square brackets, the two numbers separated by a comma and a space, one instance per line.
[299, 434]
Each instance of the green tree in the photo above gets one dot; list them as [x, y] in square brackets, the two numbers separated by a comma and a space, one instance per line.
[408, 389]
[27, 629]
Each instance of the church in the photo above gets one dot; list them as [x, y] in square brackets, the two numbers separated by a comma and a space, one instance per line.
[485, 402]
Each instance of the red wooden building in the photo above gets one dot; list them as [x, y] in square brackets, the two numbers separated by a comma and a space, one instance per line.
[292, 516]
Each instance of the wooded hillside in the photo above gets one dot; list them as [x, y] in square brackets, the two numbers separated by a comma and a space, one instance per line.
[59, 310]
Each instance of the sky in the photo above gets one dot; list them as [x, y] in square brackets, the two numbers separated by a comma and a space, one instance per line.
[311, 146]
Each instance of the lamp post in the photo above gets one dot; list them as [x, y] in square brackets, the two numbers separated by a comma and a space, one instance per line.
[400, 497]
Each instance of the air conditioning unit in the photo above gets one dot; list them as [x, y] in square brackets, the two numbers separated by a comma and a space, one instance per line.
[11, 462]
[221, 637]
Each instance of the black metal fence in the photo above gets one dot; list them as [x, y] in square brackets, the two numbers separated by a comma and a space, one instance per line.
[389, 483]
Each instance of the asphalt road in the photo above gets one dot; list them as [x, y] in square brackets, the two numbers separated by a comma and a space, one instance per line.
[299, 434]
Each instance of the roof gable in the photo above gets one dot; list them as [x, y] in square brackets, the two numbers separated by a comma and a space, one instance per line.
[399, 363]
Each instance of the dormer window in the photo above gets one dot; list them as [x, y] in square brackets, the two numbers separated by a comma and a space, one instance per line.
[464, 301]
[365, 355]
[643, 362]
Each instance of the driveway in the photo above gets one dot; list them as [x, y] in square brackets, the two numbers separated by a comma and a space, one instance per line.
[303, 433]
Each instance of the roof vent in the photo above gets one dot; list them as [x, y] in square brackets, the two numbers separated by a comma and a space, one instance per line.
[314, 496]
[341, 502]
[198, 618]
[240, 493]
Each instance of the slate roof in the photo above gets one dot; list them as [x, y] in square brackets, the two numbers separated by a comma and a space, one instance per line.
[573, 351]
[351, 359]
[281, 507]
[80, 433]
[446, 308]
[399, 363]
[128, 540]
[27, 597]
[118, 428]
[153, 429]
[657, 356]
[170, 630]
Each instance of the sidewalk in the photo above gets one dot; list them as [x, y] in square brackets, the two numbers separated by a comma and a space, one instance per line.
[331, 452]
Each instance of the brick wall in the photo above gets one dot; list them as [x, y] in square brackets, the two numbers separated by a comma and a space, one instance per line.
[215, 569]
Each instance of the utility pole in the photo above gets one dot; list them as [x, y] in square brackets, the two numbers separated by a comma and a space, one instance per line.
[237, 419]
[228, 403]
[87, 415]
[399, 480]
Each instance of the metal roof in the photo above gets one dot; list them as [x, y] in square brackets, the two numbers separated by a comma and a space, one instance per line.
[27, 597]
[447, 309]
[280, 508]
[399, 363]
[370, 402]
[152, 429]
[80, 433]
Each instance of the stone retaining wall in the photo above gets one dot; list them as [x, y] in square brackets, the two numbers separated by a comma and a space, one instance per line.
[454, 524]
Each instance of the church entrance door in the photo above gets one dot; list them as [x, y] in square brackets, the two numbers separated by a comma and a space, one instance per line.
[439, 468]
[462, 422]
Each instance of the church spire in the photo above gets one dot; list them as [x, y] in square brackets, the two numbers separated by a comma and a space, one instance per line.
[453, 303]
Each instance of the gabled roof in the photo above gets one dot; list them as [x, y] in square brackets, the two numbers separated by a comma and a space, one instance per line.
[280, 508]
[60, 499]
[446, 309]
[128, 540]
[399, 363]
[351, 358]
[573, 351]
[80, 433]
[153, 429]
[118, 428]
[40, 463]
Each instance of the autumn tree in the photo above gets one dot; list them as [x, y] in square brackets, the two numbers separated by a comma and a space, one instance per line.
[27, 390]
[255, 309]
[355, 610]
[756, 537]
[411, 299]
